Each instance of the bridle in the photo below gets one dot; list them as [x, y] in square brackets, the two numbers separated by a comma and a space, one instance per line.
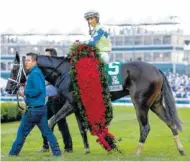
[18, 80]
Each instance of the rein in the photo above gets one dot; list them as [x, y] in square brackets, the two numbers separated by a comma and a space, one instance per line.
[18, 104]
[55, 69]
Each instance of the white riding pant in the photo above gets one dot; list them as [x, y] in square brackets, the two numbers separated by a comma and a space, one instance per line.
[105, 57]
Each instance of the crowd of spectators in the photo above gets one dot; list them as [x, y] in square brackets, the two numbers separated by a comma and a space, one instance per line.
[180, 85]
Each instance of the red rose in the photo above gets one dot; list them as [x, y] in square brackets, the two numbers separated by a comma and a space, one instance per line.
[82, 46]
[76, 53]
[89, 48]
[92, 54]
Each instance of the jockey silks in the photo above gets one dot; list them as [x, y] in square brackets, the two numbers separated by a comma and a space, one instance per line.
[100, 38]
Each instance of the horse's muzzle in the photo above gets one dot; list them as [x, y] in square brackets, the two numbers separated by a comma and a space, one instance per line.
[12, 90]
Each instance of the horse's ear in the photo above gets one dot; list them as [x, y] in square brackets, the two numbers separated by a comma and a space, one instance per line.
[17, 57]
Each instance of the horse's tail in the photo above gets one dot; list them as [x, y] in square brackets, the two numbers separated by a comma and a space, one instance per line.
[169, 101]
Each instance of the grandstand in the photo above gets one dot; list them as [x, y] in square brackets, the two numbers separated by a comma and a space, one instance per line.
[32, 41]
[160, 42]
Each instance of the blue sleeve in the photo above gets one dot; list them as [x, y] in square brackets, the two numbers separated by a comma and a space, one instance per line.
[51, 90]
[96, 37]
[37, 84]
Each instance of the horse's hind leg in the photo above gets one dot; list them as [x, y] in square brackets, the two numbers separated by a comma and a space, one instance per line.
[142, 101]
[159, 110]
[142, 117]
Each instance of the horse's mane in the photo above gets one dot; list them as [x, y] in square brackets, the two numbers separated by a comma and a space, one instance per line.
[57, 57]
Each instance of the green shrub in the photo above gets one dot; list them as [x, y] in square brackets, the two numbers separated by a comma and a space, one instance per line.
[10, 112]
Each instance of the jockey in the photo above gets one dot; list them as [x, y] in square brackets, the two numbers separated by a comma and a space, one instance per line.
[99, 37]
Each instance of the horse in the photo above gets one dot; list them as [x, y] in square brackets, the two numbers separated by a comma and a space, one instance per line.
[147, 86]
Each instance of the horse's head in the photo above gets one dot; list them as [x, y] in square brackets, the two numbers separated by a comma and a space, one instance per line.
[17, 75]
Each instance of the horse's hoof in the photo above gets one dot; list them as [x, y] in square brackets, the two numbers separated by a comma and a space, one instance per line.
[87, 151]
[137, 153]
[139, 149]
[182, 153]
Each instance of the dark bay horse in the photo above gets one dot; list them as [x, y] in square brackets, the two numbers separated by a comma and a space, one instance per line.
[147, 86]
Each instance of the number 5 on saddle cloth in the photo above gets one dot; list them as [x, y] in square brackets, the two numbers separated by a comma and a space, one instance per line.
[113, 71]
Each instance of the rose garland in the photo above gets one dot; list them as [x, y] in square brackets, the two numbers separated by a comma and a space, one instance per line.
[91, 93]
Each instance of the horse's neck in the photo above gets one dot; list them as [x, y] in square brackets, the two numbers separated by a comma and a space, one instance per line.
[48, 62]
[48, 66]
[52, 78]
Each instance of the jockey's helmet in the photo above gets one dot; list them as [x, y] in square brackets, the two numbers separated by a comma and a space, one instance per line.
[90, 14]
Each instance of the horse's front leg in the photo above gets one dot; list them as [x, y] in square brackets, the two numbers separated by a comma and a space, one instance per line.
[62, 113]
[83, 133]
